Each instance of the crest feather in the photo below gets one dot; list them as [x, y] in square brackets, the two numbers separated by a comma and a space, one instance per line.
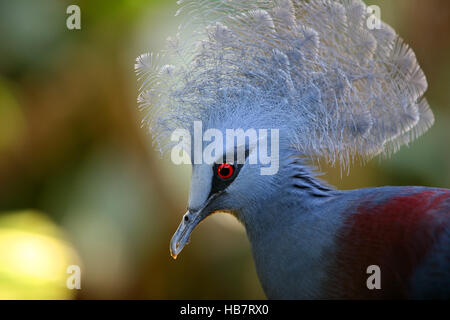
[312, 69]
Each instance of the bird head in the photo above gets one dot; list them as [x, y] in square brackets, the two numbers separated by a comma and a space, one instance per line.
[260, 64]
[224, 185]
[236, 181]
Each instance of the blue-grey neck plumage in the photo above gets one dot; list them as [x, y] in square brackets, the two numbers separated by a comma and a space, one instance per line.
[338, 84]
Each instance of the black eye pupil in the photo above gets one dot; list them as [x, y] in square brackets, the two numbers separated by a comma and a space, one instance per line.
[225, 171]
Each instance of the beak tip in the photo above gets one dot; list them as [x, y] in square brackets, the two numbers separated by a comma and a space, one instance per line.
[174, 255]
[174, 249]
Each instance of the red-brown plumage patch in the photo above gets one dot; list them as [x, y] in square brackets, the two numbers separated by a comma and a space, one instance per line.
[394, 234]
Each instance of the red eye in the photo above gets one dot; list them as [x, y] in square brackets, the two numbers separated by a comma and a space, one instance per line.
[225, 170]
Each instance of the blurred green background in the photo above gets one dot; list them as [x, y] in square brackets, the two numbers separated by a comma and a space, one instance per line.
[79, 180]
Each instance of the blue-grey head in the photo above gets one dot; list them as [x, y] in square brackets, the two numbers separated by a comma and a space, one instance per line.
[235, 177]
[335, 86]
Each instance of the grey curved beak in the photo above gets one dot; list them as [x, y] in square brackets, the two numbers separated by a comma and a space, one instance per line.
[181, 237]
